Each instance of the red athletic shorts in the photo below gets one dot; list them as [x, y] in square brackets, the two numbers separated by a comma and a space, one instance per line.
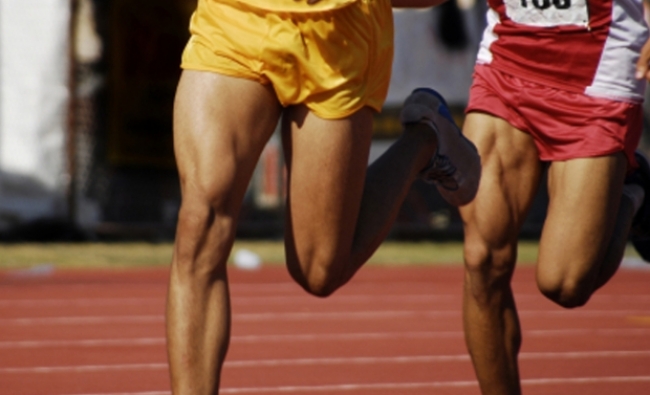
[564, 124]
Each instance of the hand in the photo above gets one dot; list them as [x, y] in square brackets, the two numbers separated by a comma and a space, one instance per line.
[643, 64]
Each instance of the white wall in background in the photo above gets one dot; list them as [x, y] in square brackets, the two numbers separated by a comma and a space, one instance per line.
[422, 60]
[33, 106]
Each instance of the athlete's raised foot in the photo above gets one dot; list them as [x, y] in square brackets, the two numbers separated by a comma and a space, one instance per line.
[455, 169]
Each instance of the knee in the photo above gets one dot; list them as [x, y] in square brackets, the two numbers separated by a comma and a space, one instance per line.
[203, 240]
[491, 265]
[565, 290]
[488, 270]
[318, 283]
[318, 275]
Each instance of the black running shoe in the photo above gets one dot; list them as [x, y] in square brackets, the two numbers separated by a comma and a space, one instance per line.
[455, 169]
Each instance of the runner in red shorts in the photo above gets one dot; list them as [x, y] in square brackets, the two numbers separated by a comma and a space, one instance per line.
[556, 88]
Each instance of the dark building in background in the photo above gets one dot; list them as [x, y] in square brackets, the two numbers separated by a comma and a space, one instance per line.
[123, 152]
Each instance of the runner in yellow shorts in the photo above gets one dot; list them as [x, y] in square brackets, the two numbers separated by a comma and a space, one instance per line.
[323, 67]
[303, 54]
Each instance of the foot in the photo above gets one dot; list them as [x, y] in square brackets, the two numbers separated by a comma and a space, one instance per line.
[640, 232]
[455, 168]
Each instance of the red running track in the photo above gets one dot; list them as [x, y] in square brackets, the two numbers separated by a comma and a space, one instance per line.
[392, 330]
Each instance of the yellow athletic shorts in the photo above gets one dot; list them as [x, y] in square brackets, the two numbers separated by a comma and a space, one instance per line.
[333, 61]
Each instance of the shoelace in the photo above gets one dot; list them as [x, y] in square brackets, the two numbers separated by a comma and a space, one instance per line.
[442, 171]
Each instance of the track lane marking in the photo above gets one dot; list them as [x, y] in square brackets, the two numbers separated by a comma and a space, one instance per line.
[305, 316]
[284, 299]
[400, 386]
[316, 337]
[240, 300]
[413, 359]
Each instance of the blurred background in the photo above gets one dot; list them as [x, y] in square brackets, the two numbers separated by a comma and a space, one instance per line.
[86, 93]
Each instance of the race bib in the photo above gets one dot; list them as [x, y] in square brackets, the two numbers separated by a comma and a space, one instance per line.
[548, 13]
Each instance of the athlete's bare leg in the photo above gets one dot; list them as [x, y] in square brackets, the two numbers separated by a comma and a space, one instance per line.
[221, 125]
[586, 228]
[337, 215]
[509, 181]
[581, 246]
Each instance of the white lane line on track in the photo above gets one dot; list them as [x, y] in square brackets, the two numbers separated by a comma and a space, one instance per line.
[91, 302]
[284, 299]
[304, 316]
[238, 289]
[623, 332]
[583, 354]
[434, 384]
[387, 286]
[417, 359]
[131, 393]
[83, 320]
[85, 368]
[244, 317]
[317, 337]
[300, 300]
[234, 339]
[240, 300]
[143, 341]
[149, 341]
[433, 335]
[250, 317]
[401, 386]
[308, 337]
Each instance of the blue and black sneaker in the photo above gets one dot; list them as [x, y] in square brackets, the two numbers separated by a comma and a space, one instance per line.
[455, 169]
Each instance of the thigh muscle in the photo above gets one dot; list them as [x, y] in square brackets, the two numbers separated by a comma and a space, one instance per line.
[327, 162]
[509, 180]
[221, 125]
[584, 199]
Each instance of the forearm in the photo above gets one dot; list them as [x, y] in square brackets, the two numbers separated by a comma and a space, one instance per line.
[416, 3]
